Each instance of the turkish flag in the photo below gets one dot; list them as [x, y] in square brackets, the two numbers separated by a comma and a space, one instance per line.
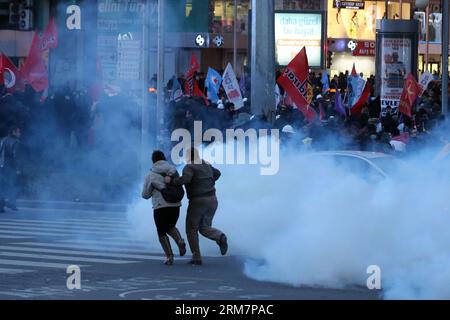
[411, 91]
[295, 81]
[9, 75]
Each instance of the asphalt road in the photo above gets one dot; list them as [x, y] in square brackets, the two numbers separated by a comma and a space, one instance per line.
[38, 245]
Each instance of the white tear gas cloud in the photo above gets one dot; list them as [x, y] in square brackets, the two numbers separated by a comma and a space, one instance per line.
[318, 224]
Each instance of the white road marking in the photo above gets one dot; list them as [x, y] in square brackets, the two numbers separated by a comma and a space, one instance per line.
[103, 248]
[44, 229]
[117, 244]
[90, 222]
[122, 295]
[14, 237]
[86, 253]
[63, 258]
[36, 233]
[35, 264]
[62, 226]
[14, 271]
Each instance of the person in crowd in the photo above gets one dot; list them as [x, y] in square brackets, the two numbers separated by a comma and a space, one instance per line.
[199, 179]
[165, 214]
[10, 168]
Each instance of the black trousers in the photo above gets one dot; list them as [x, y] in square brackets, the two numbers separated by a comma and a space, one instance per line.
[8, 186]
[166, 219]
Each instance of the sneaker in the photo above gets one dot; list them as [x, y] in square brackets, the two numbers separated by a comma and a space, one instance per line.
[223, 244]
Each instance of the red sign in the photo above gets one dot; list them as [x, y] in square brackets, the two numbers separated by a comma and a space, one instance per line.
[365, 48]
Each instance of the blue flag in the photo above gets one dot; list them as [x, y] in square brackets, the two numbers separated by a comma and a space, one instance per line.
[325, 82]
[177, 91]
[212, 83]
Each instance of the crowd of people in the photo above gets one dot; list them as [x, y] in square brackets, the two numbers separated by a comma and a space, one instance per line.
[368, 130]
[70, 140]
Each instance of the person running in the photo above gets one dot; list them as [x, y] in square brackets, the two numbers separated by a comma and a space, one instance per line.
[165, 214]
[199, 178]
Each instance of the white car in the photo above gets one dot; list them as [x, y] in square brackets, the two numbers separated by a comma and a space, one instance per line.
[373, 166]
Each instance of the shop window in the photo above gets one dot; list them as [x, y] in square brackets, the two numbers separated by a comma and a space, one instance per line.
[223, 19]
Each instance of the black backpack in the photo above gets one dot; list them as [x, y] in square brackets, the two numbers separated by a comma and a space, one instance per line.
[171, 193]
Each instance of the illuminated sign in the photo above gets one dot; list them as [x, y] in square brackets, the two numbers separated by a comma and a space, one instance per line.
[200, 40]
[357, 5]
[295, 30]
[364, 48]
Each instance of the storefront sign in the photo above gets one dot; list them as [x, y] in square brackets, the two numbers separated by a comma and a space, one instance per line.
[364, 48]
[357, 5]
[293, 31]
[396, 64]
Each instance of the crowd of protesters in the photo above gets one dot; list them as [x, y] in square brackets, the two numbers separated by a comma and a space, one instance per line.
[70, 132]
[70, 142]
[369, 130]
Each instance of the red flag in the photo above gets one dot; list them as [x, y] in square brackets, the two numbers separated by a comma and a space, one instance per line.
[295, 81]
[354, 73]
[34, 71]
[194, 67]
[411, 91]
[404, 137]
[198, 93]
[323, 114]
[50, 36]
[96, 89]
[35, 68]
[9, 75]
[365, 95]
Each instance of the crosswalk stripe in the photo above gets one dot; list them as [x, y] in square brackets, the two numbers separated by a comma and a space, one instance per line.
[84, 253]
[65, 222]
[14, 237]
[35, 264]
[97, 221]
[14, 271]
[119, 244]
[68, 226]
[45, 229]
[64, 258]
[35, 233]
[102, 247]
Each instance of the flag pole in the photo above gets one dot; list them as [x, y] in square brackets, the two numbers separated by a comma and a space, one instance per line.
[445, 45]
[235, 36]
[160, 75]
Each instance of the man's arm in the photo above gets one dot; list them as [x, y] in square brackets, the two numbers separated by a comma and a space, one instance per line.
[216, 173]
[186, 177]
